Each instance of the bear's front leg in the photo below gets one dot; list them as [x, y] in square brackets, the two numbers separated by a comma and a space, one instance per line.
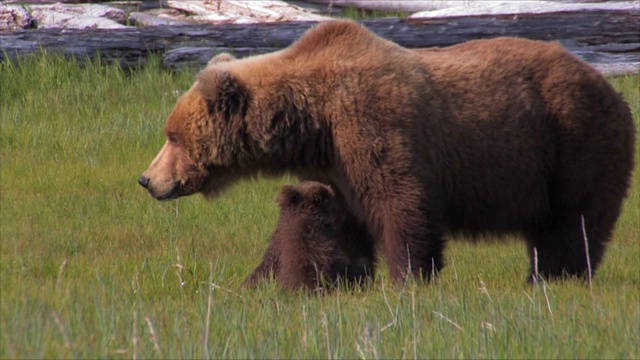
[412, 251]
[412, 245]
[385, 191]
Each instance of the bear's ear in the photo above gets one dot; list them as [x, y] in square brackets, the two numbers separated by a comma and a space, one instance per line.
[223, 93]
[289, 196]
[221, 58]
[323, 195]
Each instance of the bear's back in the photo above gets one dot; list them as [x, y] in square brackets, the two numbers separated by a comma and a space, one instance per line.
[527, 121]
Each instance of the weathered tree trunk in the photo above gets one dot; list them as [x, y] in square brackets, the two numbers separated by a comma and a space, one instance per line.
[144, 19]
[608, 37]
[430, 5]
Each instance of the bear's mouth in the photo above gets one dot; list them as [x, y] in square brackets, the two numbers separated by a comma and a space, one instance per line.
[171, 194]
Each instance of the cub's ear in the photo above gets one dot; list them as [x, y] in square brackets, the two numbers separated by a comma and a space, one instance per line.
[224, 94]
[221, 58]
[289, 196]
[323, 195]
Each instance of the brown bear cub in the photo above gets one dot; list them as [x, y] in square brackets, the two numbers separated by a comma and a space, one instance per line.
[316, 243]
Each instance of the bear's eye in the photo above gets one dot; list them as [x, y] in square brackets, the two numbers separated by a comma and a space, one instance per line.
[173, 139]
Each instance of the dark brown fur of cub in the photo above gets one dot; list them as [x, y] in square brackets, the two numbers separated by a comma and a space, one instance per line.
[316, 242]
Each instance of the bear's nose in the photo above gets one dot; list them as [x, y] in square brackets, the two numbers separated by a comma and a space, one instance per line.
[143, 181]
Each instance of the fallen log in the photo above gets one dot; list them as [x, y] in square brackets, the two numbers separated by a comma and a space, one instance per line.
[472, 6]
[523, 7]
[609, 36]
[144, 19]
[197, 57]
[243, 11]
[78, 16]
[15, 17]
[75, 16]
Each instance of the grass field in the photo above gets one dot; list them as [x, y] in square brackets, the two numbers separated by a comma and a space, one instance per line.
[91, 267]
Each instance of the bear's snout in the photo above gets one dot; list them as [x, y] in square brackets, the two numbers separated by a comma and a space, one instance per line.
[143, 181]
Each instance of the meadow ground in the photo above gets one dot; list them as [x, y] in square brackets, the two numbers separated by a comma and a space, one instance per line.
[91, 267]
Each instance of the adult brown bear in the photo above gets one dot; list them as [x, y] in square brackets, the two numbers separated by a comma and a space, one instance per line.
[491, 136]
[315, 244]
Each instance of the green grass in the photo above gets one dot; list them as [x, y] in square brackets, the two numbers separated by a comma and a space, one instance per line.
[357, 14]
[91, 267]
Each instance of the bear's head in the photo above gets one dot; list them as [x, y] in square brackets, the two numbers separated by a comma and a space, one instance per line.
[206, 143]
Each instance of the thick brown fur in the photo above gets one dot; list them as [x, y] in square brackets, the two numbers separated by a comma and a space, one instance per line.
[221, 58]
[492, 136]
[316, 242]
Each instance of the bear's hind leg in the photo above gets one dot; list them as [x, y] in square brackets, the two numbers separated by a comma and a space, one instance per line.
[560, 249]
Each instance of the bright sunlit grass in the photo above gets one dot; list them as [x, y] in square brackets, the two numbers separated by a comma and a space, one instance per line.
[90, 267]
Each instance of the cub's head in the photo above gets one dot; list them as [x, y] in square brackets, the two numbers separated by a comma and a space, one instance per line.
[205, 148]
[308, 216]
[309, 197]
